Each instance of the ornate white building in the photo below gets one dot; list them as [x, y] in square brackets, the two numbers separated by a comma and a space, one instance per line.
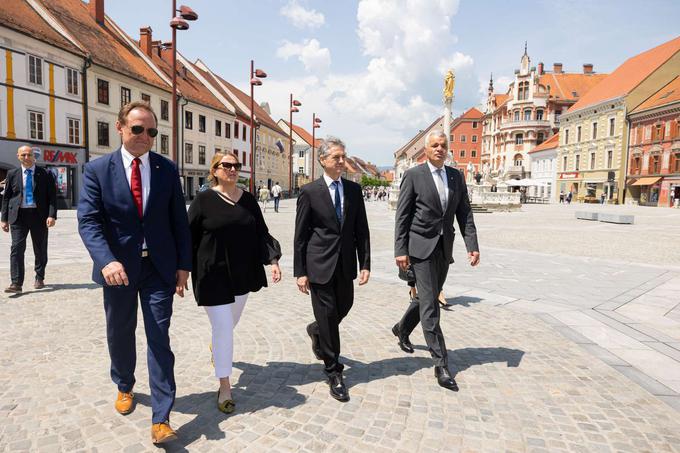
[528, 114]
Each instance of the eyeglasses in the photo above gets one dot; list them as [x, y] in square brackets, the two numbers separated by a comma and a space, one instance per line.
[136, 130]
[228, 166]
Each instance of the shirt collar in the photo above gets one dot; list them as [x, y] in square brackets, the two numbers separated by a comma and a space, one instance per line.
[432, 167]
[32, 168]
[330, 181]
[128, 158]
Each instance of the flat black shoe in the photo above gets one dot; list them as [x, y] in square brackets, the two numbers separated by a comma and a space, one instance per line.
[338, 389]
[444, 378]
[316, 349]
[404, 342]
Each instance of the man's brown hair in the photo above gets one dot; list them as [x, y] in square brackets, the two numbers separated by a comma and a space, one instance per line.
[130, 106]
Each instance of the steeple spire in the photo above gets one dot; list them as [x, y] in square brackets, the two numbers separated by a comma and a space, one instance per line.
[525, 48]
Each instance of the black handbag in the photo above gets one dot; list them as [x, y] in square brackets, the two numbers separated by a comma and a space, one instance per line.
[408, 275]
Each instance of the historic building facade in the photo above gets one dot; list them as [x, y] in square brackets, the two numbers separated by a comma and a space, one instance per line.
[42, 97]
[543, 166]
[528, 114]
[654, 150]
[594, 132]
[412, 153]
[465, 142]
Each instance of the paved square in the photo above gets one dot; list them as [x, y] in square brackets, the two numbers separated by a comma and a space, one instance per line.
[565, 338]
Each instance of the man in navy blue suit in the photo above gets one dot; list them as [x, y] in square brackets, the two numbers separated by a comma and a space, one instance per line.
[132, 219]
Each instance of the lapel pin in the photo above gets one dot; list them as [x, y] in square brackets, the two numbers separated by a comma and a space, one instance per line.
[157, 166]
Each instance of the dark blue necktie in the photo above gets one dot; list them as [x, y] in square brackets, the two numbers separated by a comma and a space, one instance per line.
[338, 206]
[29, 187]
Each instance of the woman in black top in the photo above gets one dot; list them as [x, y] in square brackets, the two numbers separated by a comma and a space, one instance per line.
[231, 244]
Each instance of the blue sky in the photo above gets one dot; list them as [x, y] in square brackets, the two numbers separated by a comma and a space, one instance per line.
[373, 69]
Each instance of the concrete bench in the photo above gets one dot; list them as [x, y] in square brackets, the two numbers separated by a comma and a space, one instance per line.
[586, 215]
[617, 218]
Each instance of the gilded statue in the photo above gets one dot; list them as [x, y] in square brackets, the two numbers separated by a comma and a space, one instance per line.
[449, 84]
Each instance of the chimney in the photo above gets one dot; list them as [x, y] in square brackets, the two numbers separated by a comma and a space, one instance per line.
[97, 10]
[145, 39]
[540, 68]
[156, 45]
[587, 68]
[557, 68]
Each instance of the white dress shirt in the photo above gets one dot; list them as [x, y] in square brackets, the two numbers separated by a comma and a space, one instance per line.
[329, 181]
[144, 169]
[24, 205]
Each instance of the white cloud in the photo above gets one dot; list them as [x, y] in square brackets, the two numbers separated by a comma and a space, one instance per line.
[459, 62]
[309, 52]
[500, 86]
[301, 17]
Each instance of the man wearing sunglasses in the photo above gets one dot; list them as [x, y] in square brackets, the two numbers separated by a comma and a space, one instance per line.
[133, 221]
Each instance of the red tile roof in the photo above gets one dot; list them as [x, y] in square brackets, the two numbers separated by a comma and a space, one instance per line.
[551, 143]
[501, 99]
[629, 75]
[306, 136]
[106, 46]
[260, 114]
[240, 114]
[20, 16]
[669, 94]
[350, 166]
[570, 86]
[471, 114]
[187, 83]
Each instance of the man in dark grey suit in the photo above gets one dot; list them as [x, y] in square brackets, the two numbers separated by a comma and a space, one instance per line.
[431, 194]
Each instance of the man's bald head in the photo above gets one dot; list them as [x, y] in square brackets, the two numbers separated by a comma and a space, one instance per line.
[26, 156]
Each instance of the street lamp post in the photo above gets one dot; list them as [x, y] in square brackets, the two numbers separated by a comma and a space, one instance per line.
[316, 122]
[255, 76]
[178, 22]
[293, 109]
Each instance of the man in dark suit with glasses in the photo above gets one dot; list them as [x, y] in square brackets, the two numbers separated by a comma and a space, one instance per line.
[133, 221]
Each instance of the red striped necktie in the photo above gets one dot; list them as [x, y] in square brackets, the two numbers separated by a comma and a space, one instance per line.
[136, 185]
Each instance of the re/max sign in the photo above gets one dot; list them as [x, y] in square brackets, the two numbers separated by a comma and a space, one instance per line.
[60, 156]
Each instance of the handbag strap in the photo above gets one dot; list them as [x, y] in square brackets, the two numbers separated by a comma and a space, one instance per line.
[225, 198]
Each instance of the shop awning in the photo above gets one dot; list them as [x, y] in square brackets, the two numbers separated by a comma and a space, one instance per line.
[646, 181]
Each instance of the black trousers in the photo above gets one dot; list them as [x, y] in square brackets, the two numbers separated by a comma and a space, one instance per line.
[28, 221]
[430, 277]
[120, 304]
[331, 302]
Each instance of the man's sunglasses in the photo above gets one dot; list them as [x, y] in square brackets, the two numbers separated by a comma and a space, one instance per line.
[228, 166]
[136, 130]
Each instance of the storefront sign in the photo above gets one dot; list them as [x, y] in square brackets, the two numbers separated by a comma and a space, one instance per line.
[62, 157]
[572, 175]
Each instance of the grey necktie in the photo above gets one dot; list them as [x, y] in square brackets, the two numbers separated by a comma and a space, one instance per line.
[439, 182]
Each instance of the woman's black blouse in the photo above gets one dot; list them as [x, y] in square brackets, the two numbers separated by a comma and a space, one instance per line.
[231, 244]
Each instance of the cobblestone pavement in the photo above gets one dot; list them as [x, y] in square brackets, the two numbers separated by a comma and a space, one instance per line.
[552, 352]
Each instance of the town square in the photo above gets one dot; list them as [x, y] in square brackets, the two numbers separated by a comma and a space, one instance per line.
[364, 226]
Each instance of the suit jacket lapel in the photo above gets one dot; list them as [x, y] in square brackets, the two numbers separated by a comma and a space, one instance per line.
[118, 173]
[429, 182]
[346, 202]
[154, 181]
[452, 185]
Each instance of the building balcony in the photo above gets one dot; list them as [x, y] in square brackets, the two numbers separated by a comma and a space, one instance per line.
[524, 124]
[516, 170]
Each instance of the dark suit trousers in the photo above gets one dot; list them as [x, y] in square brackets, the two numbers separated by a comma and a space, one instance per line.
[28, 220]
[430, 277]
[331, 302]
[120, 303]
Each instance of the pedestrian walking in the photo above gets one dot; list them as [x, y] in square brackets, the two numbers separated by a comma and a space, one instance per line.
[29, 205]
[276, 194]
[264, 197]
[331, 233]
[133, 222]
[230, 246]
[431, 195]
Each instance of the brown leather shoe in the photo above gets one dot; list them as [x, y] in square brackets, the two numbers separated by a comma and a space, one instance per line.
[13, 288]
[162, 432]
[125, 403]
[39, 284]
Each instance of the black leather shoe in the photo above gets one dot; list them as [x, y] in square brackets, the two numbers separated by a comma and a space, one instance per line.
[338, 388]
[444, 378]
[316, 349]
[404, 342]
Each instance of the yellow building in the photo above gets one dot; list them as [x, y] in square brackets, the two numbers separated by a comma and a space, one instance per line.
[591, 159]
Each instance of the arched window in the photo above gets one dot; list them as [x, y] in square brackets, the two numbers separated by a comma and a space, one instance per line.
[518, 159]
[539, 115]
[527, 115]
[519, 139]
[540, 138]
[516, 115]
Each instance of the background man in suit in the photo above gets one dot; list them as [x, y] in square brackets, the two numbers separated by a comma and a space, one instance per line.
[29, 204]
[133, 221]
[431, 194]
[331, 232]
